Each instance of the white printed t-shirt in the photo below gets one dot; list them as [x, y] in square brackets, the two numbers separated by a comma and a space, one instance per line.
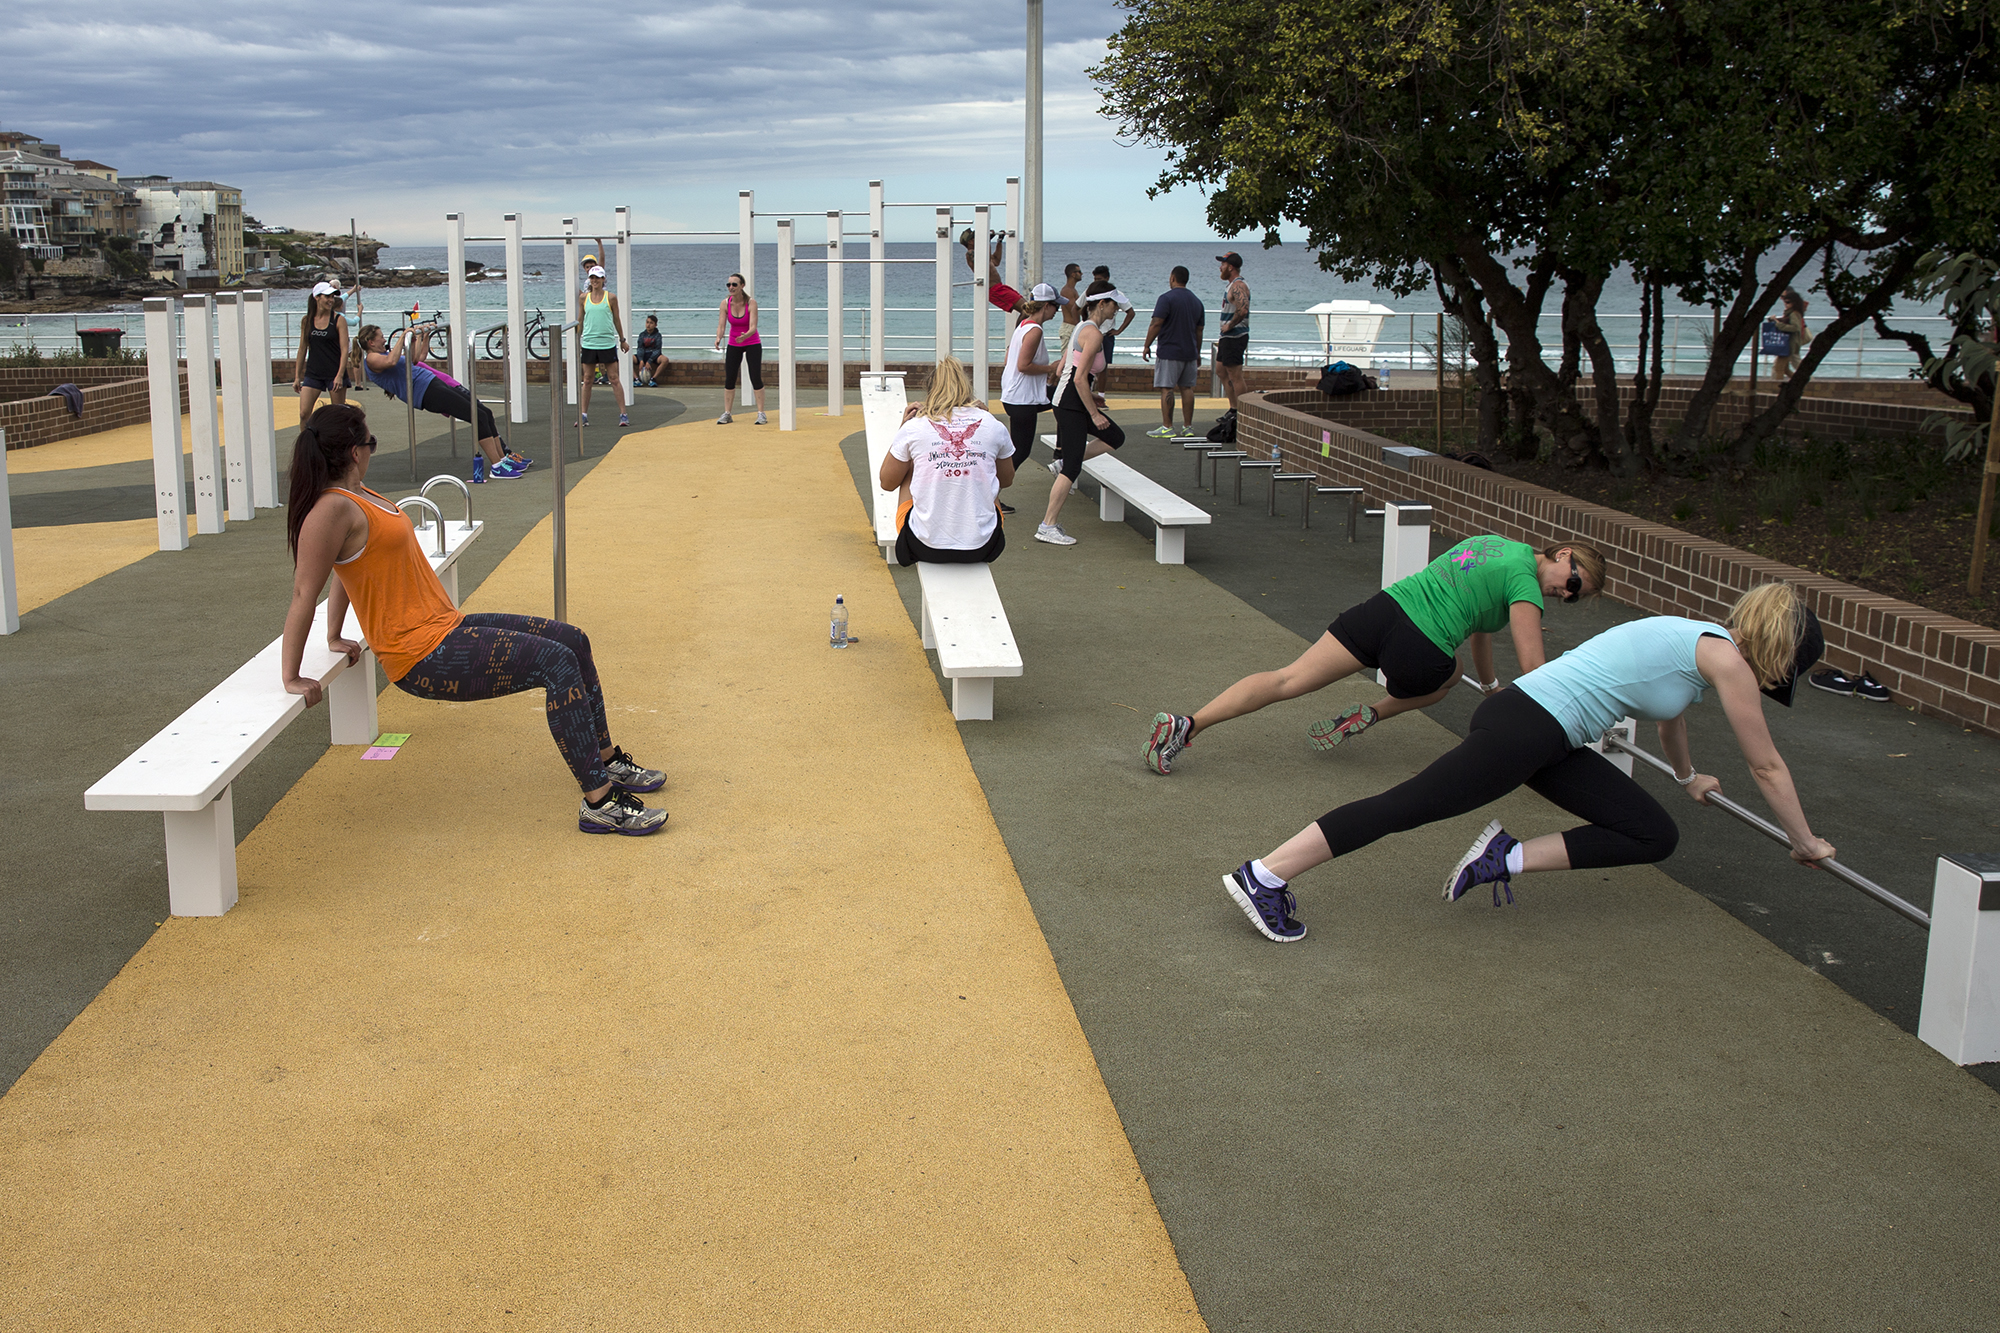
[955, 484]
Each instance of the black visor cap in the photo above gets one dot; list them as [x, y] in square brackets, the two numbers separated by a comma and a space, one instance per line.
[1811, 645]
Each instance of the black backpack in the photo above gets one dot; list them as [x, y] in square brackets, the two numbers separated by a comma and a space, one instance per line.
[1340, 379]
[1224, 429]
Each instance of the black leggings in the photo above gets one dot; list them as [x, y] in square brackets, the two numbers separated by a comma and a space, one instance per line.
[446, 401]
[1073, 429]
[1022, 418]
[735, 356]
[1514, 742]
[491, 654]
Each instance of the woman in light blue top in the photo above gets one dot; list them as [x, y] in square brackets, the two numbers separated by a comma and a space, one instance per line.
[1535, 733]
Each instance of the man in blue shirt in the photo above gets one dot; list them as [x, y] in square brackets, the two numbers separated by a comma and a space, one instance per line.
[1178, 318]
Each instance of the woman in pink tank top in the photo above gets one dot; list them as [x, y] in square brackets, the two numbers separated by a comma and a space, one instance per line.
[738, 316]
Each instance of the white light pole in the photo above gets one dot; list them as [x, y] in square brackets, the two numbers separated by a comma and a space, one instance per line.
[1030, 225]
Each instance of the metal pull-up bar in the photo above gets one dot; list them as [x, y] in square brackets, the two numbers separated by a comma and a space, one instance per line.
[1909, 911]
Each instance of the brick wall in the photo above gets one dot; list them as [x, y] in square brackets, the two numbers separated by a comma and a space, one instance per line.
[42, 420]
[1939, 664]
[34, 381]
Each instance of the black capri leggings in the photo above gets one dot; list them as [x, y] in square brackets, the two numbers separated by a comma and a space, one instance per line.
[1022, 418]
[1073, 429]
[735, 356]
[446, 401]
[1514, 742]
[491, 654]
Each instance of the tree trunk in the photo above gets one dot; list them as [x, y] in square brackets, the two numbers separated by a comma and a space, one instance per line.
[1461, 300]
[1646, 386]
[1746, 312]
[1580, 316]
[1548, 403]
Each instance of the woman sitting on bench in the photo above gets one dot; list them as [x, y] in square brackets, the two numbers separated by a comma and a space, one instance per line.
[1411, 632]
[426, 645]
[948, 464]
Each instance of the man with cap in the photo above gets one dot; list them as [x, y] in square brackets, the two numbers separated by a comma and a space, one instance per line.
[1232, 341]
[603, 337]
[1178, 319]
[1102, 273]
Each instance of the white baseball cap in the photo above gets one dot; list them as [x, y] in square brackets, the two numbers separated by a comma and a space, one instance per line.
[325, 289]
[595, 273]
[1044, 291]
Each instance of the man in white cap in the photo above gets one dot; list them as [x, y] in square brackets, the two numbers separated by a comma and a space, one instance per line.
[602, 338]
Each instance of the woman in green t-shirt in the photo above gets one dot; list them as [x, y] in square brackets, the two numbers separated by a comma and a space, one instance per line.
[1411, 632]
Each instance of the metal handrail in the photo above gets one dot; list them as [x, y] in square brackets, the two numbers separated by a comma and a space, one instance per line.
[446, 479]
[409, 500]
[1909, 911]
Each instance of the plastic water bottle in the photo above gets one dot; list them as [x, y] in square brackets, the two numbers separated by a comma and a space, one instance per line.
[837, 629]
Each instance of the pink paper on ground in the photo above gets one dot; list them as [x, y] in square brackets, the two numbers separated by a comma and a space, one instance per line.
[379, 752]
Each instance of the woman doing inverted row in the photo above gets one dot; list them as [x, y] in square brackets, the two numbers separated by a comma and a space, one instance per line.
[380, 358]
[1537, 733]
[1411, 632]
[426, 645]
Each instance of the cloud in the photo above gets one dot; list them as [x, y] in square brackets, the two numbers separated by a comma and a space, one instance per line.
[400, 113]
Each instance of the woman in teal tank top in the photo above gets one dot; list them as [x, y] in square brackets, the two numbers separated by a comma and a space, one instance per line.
[1537, 733]
[602, 338]
[1411, 631]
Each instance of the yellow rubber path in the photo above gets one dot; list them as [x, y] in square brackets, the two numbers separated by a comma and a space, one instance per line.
[802, 1061]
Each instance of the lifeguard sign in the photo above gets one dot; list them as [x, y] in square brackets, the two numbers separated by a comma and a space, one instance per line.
[1349, 330]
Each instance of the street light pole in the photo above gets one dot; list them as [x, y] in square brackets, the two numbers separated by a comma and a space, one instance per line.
[1031, 176]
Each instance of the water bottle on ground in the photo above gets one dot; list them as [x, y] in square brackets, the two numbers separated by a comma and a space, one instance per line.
[837, 630]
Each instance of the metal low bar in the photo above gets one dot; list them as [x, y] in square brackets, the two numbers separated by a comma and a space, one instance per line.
[447, 479]
[1908, 911]
[409, 399]
[437, 516]
[801, 260]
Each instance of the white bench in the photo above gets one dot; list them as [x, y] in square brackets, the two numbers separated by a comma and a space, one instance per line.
[1120, 484]
[185, 771]
[882, 405]
[963, 620]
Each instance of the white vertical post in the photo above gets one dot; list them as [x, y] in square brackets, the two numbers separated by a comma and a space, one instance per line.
[10, 601]
[461, 323]
[1031, 183]
[1961, 1013]
[571, 286]
[1406, 545]
[788, 337]
[198, 317]
[257, 397]
[982, 283]
[746, 261]
[164, 398]
[878, 250]
[943, 283]
[201, 858]
[1013, 262]
[836, 326]
[517, 338]
[623, 218]
[235, 409]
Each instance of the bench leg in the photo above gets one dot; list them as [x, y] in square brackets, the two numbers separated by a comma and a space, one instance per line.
[201, 859]
[450, 581]
[1110, 505]
[972, 698]
[1169, 545]
[351, 704]
[924, 621]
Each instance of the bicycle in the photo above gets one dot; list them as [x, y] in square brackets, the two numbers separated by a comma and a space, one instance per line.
[536, 335]
[440, 335]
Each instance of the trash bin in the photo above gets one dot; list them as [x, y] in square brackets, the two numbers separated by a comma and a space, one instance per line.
[99, 342]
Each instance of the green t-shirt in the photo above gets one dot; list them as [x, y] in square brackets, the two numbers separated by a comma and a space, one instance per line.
[1470, 589]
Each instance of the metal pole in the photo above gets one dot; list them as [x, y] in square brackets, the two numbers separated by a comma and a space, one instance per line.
[746, 260]
[454, 259]
[1031, 176]
[788, 335]
[10, 601]
[571, 286]
[982, 279]
[943, 283]
[1840, 872]
[354, 240]
[878, 250]
[836, 330]
[623, 217]
[409, 398]
[556, 452]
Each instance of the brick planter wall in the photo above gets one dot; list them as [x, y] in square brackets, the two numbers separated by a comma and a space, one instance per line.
[43, 420]
[34, 381]
[1940, 665]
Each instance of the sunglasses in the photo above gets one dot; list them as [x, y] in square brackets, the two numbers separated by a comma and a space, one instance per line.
[369, 444]
[1574, 588]
[733, 284]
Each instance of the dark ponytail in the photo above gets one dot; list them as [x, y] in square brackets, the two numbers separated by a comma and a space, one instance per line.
[325, 447]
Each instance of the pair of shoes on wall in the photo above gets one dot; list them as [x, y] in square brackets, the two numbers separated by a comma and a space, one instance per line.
[1864, 686]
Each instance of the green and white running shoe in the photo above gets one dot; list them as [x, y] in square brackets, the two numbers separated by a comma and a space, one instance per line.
[1326, 735]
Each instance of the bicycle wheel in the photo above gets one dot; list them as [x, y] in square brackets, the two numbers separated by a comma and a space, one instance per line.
[496, 344]
[538, 342]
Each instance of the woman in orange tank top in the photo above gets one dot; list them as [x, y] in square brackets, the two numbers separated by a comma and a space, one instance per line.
[426, 645]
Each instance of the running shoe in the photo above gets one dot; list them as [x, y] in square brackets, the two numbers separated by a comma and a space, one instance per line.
[1161, 433]
[1833, 681]
[1485, 862]
[626, 772]
[1270, 910]
[1170, 737]
[507, 470]
[1055, 468]
[478, 469]
[622, 421]
[1053, 534]
[1871, 689]
[1326, 735]
[724, 419]
[622, 812]
[761, 420]
[523, 463]
[583, 418]
[1006, 508]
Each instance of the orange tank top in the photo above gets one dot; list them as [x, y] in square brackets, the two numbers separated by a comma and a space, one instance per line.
[402, 607]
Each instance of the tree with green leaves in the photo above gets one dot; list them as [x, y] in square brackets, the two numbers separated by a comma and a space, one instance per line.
[1516, 155]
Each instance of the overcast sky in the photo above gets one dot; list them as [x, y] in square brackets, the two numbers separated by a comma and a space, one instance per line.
[400, 113]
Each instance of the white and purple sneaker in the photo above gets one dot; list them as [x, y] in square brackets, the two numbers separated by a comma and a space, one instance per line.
[1485, 862]
[1270, 910]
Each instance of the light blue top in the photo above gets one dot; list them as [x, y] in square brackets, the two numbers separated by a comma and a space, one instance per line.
[1642, 669]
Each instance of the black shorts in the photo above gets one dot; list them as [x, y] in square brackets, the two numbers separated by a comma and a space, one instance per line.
[1380, 634]
[597, 356]
[319, 383]
[1022, 418]
[910, 549]
[1230, 347]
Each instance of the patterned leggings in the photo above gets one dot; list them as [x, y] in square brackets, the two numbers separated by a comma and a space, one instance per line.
[491, 654]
